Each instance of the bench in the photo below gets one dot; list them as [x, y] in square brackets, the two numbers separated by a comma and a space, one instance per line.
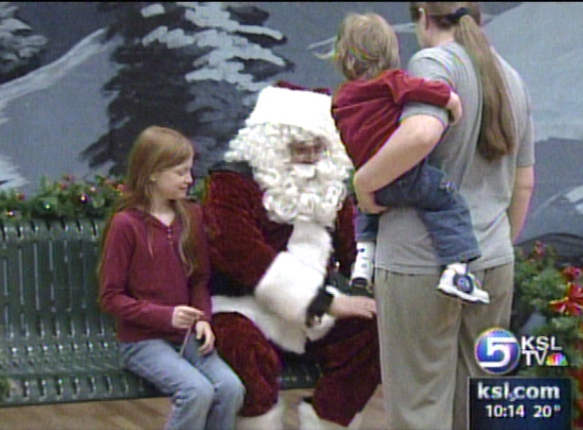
[56, 346]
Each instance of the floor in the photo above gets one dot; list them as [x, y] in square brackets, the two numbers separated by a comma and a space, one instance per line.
[145, 414]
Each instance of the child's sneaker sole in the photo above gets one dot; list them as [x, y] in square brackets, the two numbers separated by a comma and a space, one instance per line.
[455, 293]
[476, 296]
[359, 283]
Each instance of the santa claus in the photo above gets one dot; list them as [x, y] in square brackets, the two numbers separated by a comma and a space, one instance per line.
[279, 221]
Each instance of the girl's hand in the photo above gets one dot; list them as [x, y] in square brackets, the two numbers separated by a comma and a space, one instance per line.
[204, 331]
[185, 316]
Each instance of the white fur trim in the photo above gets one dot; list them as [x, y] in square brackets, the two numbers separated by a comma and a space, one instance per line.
[289, 336]
[309, 420]
[282, 297]
[271, 420]
[288, 287]
[304, 109]
[311, 244]
[319, 331]
[294, 277]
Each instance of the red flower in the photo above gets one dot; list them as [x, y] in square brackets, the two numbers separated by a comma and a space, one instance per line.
[572, 304]
[539, 249]
[571, 273]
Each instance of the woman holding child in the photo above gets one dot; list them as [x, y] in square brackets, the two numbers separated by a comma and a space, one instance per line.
[489, 157]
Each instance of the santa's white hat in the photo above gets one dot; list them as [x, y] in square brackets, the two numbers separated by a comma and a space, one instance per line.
[298, 107]
[282, 113]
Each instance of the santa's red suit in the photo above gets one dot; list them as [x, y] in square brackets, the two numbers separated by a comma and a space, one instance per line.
[274, 233]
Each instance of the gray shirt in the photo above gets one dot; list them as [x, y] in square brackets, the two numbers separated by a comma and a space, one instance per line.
[403, 243]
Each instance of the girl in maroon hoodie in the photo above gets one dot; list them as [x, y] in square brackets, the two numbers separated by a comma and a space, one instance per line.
[153, 273]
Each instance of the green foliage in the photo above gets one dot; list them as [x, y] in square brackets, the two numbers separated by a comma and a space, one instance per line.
[554, 291]
[65, 199]
[350, 183]
[543, 286]
[538, 280]
[70, 199]
[198, 190]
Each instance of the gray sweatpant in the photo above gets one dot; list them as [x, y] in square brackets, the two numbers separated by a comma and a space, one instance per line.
[427, 345]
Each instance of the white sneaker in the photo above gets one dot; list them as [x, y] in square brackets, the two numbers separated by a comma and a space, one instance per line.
[456, 281]
[363, 269]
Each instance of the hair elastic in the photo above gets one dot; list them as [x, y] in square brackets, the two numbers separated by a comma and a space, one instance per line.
[455, 17]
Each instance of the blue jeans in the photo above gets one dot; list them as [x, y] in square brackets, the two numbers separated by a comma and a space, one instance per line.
[205, 392]
[442, 209]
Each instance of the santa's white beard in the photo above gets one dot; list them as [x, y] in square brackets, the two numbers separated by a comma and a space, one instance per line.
[303, 192]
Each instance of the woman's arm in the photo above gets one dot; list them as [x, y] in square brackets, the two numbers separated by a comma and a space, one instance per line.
[521, 194]
[410, 143]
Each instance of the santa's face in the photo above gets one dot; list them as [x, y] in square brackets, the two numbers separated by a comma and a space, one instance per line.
[307, 152]
[300, 174]
[309, 187]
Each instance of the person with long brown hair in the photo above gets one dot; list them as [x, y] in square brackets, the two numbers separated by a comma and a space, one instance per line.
[366, 109]
[153, 273]
[489, 156]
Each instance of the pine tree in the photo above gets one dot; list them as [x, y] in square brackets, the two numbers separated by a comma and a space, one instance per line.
[195, 67]
[20, 49]
[9, 175]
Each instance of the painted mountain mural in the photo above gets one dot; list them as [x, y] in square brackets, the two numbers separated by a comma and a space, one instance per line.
[198, 66]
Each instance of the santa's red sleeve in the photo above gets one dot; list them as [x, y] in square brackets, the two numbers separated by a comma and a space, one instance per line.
[237, 245]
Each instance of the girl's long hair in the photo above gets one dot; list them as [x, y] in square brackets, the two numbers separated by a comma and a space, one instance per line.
[156, 149]
[497, 129]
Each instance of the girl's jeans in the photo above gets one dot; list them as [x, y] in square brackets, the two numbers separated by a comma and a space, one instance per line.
[205, 392]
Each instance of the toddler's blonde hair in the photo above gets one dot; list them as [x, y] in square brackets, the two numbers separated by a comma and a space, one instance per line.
[366, 45]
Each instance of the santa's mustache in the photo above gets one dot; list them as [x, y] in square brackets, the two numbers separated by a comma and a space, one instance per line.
[307, 192]
[323, 169]
[301, 175]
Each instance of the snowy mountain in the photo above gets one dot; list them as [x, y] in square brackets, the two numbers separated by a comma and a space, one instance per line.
[192, 66]
[548, 56]
[9, 175]
[50, 115]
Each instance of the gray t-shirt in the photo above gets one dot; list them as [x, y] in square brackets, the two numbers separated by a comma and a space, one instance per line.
[403, 243]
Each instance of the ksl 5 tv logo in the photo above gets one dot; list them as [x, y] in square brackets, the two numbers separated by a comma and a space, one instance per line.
[498, 351]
